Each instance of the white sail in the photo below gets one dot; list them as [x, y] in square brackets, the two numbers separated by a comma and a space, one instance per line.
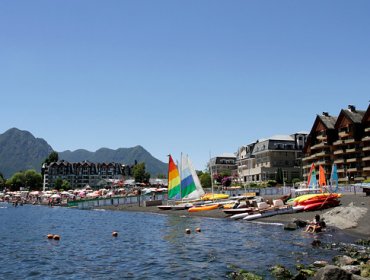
[190, 184]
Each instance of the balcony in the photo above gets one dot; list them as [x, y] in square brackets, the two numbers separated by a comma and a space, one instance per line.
[311, 157]
[351, 170]
[349, 151]
[343, 134]
[322, 154]
[338, 143]
[349, 141]
[366, 148]
[320, 145]
[324, 162]
[321, 137]
[352, 160]
[338, 152]
[360, 179]
[366, 159]
[367, 129]
[339, 161]
[366, 138]
[366, 168]
[341, 170]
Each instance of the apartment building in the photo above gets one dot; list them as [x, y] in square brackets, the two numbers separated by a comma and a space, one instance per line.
[343, 140]
[223, 163]
[260, 161]
[80, 174]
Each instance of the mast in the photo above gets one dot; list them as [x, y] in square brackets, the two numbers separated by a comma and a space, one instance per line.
[180, 172]
[210, 168]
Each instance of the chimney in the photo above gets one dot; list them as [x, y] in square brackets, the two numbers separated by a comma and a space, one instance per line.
[352, 108]
[326, 114]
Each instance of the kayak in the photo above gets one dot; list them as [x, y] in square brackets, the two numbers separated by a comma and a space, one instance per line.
[320, 205]
[317, 200]
[210, 196]
[203, 208]
[302, 198]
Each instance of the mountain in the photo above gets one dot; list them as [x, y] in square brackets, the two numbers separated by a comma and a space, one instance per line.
[122, 155]
[20, 150]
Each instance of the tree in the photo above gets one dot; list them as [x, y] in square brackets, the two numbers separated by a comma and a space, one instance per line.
[140, 174]
[27, 179]
[66, 185]
[205, 180]
[161, 176]
[2, 181]
[53, 157]
[17, 181]
[33, 180]
[58, 183]
[279, 176]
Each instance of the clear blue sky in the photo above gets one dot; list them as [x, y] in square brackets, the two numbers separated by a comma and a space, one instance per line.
[192, 76]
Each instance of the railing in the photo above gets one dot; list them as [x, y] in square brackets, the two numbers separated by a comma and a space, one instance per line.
[114, 201]
[129, 200]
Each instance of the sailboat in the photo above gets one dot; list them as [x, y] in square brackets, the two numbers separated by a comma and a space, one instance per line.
[182, 189]
[312, 180]
[334, 178]
[322, 178]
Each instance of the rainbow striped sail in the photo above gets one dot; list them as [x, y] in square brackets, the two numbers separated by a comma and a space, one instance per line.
[174, 181]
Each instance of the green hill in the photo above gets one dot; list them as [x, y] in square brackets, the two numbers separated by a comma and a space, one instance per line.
[20, 150]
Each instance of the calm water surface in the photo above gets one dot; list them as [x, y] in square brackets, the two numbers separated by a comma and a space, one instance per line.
[149, 246]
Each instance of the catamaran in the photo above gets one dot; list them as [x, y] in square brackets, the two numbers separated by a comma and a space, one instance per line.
[184, 189]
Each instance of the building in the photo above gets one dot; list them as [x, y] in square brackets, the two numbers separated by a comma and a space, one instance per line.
[343, 140]
[260, 161]
[223, 163]
[80, 174]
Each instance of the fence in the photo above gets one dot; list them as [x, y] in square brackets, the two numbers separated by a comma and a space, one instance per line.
[127, 200]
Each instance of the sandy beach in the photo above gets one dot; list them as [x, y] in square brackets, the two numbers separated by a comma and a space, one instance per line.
[352, 215]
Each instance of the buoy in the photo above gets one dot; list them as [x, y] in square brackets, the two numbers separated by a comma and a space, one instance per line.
[198, 229]
[50, 236]
[115, 233]
[56, 237]
[187, 231]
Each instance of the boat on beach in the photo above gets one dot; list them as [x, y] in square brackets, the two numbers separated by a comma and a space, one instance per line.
[183, 190]
[203, 208]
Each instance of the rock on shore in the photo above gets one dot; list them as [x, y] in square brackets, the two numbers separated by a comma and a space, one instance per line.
[344, 217]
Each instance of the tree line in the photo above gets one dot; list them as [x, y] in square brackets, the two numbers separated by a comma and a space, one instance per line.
[33, 181]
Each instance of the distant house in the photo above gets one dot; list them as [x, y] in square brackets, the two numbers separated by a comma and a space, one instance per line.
[223, 163]
[260, 160]
[80, 174]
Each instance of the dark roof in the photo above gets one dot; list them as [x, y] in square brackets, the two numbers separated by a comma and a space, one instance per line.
[355, 116]
[328, 121]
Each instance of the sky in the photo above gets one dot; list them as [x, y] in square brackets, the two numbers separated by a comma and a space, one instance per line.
[196, 77]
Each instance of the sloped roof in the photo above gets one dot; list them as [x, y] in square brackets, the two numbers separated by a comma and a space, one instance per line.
[356, 116]
[328, 121]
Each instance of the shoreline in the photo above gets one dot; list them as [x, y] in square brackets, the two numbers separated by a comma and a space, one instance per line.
[360, 231]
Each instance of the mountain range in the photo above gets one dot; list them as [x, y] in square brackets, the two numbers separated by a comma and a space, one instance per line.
[20, 150]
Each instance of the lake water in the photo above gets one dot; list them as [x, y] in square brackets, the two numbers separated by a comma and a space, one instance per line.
[149, 246]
